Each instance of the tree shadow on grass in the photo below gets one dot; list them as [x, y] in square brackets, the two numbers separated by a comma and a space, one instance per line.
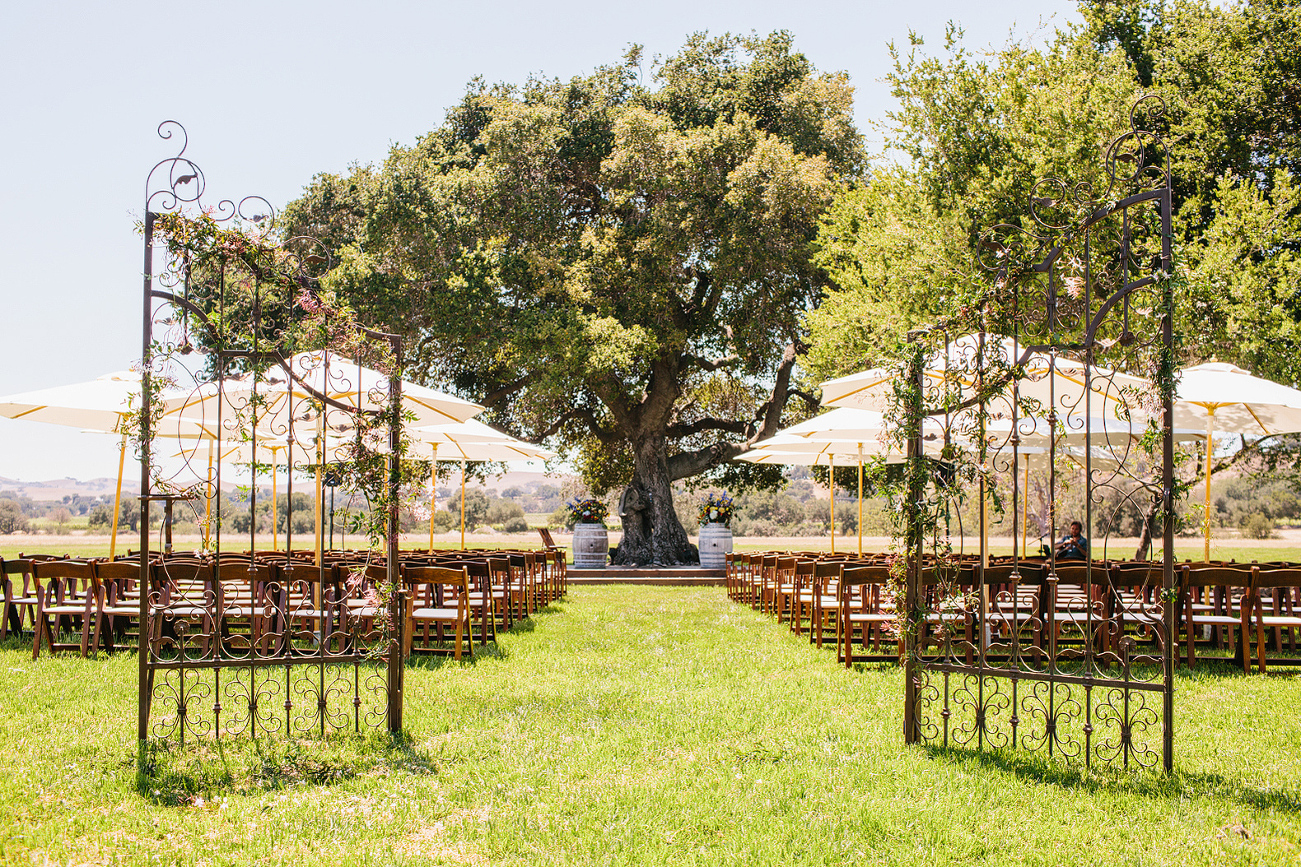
[190, 775]
[1153, 784]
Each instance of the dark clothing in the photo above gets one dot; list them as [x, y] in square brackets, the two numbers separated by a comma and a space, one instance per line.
[1073, 549]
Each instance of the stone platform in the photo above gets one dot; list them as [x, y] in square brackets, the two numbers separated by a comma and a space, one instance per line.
[661, 576]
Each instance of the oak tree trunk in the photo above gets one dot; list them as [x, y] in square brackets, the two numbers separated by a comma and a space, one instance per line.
[652, 533]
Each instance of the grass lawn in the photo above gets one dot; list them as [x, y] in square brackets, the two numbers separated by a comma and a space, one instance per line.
[634, 725]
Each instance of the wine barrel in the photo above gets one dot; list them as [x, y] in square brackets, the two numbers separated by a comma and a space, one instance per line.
[590, 546]
[715, 545]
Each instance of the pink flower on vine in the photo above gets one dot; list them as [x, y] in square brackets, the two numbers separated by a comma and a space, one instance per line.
[308, 301]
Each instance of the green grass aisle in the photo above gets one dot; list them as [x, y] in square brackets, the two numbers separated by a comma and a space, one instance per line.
[635, 726]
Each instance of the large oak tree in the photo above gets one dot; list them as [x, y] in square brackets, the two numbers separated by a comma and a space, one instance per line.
[618, 264]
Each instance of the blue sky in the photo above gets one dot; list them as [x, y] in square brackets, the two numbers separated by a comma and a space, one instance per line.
[272, 93]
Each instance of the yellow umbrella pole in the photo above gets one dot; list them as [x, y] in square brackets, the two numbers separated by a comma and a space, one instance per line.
[1025, 508]
[831, 483]
[462, 504]
[275, 500]
[860, 499]
[433, 492]
[1206, 515]
[207, 504]
[984, 524]
[117, 498]
[320, 491]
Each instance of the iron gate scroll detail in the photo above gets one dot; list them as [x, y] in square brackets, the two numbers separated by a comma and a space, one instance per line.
[1069, 376]
[236, 640]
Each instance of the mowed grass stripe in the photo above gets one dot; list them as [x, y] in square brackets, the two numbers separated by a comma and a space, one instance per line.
[635, 726]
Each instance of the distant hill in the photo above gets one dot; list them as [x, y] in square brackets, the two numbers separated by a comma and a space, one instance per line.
[57, 489]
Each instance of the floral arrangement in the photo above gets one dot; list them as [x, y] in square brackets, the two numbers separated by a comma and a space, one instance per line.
[717, 509]
[589, 511]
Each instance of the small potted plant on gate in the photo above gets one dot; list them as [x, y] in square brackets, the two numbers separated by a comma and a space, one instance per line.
[715, 531]
[591, 543]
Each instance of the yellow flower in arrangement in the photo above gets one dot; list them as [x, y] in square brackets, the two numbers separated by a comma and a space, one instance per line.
[588, 511]
[717, 509]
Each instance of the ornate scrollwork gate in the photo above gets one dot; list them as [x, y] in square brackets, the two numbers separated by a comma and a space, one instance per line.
[247, 642]
[1068, 372]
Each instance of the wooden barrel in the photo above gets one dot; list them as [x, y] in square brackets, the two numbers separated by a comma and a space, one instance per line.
[590, 546]
[715, 545]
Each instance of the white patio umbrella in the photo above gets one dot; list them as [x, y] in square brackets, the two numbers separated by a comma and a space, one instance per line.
[100, 405]
[286, 396]
[463, 433]
[503, 450]
[796, 451]
[1228, 399]
[1060, 382]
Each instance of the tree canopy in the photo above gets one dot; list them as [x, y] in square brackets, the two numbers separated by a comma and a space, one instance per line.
[619, 266]
[974, 132]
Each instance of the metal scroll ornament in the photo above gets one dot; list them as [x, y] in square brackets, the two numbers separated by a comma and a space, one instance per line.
[251, 636]
[1061, 380]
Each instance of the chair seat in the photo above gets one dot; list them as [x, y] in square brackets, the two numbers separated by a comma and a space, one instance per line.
[1278, 621]
[449, 614]
[870, 618]
[67, 608]
[1215, 620]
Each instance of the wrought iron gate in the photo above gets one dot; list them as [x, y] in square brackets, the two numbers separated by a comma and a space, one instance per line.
[1070, 368]
[247, 642]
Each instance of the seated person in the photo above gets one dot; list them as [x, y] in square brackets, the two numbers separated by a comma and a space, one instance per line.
[1074, 546]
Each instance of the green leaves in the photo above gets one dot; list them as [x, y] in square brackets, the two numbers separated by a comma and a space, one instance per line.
[569, 250]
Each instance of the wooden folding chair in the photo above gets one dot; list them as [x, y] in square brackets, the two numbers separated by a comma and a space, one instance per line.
[859, 606]
[439, 597]
[19, 584]
[1229, 589]
[65, 591]
[802, 594]
[1273, 603]
[826, 602]
[119, 601]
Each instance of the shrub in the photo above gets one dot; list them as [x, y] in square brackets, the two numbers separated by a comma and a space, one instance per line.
[516, 524]
[12, 519]
[1257, 526]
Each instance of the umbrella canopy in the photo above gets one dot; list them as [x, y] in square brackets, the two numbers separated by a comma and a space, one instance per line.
[100, 405]
[1059, 382]
[285, 396]
[1228, 399]
[1236, 402]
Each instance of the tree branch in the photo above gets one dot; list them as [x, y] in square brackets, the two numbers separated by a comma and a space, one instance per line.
[771, 412]
[495, 397]
[703, 424]
[588, 418]
[711, 364]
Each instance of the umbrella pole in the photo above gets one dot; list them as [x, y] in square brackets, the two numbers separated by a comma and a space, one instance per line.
[117, 498]
[860, 499]
[320, 496]
[1025, 507]
[275, 501]
[207, 504]
[984, 523]
[831, 484]
[462, 505]
[433, 492]
[1206, 515]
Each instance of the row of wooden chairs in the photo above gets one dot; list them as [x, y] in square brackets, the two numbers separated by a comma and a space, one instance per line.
[1111, 607]
[262, 601]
